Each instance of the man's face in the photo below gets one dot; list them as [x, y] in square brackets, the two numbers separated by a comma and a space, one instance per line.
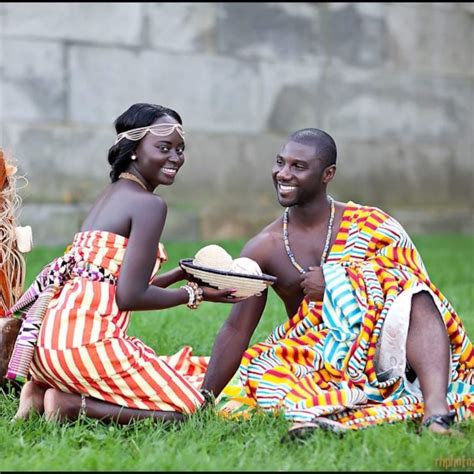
[297, 174]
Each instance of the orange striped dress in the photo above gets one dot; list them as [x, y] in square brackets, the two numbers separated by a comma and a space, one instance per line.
[83, 347]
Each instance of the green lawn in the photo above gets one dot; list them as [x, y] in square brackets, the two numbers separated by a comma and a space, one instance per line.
[208, 443]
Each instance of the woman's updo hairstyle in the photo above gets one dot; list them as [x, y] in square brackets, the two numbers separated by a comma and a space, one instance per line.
[136, 116]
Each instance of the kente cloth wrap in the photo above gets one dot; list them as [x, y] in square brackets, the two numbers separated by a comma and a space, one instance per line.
[337, 358]
[73, 335]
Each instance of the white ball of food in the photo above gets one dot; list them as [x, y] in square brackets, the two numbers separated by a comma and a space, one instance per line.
[213, 256]
[245, 265]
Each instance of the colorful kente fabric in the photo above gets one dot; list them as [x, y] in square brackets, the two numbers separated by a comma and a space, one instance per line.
[76, 335]
[323, 361]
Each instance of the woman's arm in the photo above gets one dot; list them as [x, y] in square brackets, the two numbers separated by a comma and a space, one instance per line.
[133, 289]
[134, 292]
[166, 279]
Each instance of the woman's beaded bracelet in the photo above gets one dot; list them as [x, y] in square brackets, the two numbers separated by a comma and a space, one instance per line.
[198, 293]
[195, 294]
[190, 292]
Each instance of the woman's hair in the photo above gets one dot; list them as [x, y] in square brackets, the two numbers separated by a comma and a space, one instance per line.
[136, 116]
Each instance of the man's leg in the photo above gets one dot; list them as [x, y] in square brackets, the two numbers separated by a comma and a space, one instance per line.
[429, 355]
[63, 406]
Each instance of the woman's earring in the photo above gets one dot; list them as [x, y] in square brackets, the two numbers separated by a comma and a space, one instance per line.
[134, 157]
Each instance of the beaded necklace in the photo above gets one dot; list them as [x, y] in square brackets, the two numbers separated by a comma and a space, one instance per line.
[132, 177]
[326, 245]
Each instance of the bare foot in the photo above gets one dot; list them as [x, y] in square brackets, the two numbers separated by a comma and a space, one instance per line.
[31, 400]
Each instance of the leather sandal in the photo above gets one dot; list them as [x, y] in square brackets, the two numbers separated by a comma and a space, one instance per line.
[303, 431]
[446, 421]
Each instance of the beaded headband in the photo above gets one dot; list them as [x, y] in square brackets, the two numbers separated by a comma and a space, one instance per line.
[159, 129]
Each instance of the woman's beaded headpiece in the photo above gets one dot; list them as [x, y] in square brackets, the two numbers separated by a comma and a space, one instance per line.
[159, 129]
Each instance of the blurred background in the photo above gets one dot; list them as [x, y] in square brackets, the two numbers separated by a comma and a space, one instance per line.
[393, 83]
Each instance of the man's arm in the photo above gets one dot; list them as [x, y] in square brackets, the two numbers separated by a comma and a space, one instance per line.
[231, 342]
[234, 336]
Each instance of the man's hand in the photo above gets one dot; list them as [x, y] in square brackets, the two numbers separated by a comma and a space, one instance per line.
[313, 283]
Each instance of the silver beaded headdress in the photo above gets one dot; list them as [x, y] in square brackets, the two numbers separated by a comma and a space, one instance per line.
[159, 129]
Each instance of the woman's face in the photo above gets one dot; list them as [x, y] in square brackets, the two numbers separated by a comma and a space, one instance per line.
[159, 157]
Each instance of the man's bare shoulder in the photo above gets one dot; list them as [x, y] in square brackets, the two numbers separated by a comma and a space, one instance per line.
[261, 247]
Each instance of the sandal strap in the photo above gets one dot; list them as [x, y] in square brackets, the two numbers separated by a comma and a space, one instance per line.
[445, 420]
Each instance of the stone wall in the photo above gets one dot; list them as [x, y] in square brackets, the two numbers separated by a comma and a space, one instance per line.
[391, 82]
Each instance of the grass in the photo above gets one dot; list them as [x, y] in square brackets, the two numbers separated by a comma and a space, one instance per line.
[209, 443]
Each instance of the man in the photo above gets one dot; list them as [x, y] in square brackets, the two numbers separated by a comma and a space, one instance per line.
[369, 337]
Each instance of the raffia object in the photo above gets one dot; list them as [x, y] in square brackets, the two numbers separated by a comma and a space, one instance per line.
[12, 263]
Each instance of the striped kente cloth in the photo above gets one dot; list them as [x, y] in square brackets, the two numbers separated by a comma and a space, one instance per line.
[323, 360]
[82, 346]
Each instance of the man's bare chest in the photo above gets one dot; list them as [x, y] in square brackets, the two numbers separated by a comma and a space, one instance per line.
[288, 275]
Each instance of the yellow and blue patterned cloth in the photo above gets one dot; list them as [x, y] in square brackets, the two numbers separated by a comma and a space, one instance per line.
[322, 361]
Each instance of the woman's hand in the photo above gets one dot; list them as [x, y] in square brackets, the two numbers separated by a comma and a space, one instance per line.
[313, 283]
[220, 296]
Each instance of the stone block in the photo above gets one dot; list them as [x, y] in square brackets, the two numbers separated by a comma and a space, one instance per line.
[2, 80]
[356, 33]
[181, 27]
[392, 83]
[226, 181]
[295, 107]
[62, 164]
[428, 39]
[466, 6]
[225, 171]
[381, 106]
[205, 171]
[401, 175]
[53, 224]
[286, 89]
[110, 23]
[210, 93]
[269, 31]
[34, 82]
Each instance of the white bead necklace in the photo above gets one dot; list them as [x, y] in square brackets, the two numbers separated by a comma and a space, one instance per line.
[326, 245]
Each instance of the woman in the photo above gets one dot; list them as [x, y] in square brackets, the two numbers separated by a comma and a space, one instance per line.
[83, 361]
